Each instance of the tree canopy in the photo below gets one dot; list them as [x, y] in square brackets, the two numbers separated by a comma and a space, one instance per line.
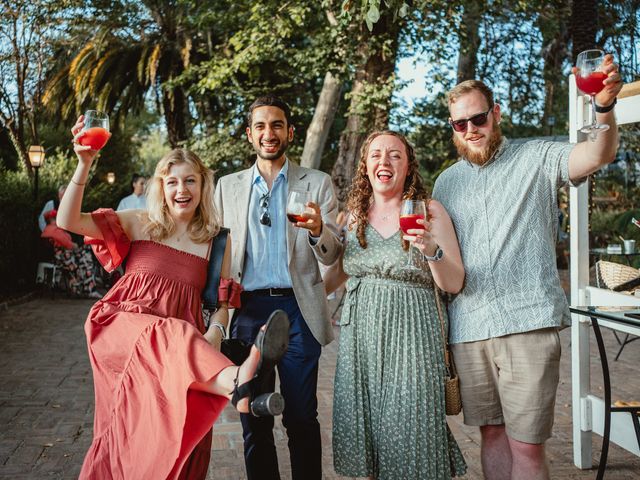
[190, 69]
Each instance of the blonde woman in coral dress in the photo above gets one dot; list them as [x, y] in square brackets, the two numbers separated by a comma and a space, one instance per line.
[160, 380]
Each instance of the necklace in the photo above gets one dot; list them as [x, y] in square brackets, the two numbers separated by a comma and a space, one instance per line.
[384, 217]
[387, 216]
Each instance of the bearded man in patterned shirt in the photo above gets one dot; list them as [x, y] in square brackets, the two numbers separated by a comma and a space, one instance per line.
[502, 199]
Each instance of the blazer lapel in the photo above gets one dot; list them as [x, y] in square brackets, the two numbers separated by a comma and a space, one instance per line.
[242, 192]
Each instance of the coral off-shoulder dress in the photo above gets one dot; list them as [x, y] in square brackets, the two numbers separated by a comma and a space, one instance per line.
[146, 348]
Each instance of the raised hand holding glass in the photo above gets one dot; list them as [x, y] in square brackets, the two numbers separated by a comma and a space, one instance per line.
[590, 80]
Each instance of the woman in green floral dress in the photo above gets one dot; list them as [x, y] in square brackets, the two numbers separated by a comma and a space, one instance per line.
[389, 414]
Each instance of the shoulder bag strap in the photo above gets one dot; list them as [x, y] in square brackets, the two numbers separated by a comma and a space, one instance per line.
[210, 292]
[445, 339]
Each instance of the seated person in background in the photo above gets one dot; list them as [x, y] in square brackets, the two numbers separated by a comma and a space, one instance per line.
[57, 236]
[50, 205]
[76, 261]
[137, 200]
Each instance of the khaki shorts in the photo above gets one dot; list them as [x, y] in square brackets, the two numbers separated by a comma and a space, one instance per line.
[511, 380]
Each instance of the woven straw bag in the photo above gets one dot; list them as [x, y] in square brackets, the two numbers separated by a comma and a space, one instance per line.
[452, 397]
[617, 277]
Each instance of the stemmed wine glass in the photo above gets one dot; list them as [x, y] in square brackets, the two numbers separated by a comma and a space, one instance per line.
[589, 79]
[297, 205]
[96, 129]
[410, 212]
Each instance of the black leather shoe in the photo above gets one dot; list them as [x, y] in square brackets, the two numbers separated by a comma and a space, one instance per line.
[272, 343]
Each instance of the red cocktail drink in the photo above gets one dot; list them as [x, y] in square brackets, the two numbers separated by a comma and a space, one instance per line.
[591, 84]
[293, 218]
[408, 222]
[95, 137]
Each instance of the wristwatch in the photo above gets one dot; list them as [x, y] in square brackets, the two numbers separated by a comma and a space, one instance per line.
[437, 256]
[608, 108]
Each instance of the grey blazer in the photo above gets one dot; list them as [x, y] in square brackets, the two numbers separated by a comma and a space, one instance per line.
[232, 203]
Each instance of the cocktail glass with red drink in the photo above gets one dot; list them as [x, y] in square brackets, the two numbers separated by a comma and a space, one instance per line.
[590, 80]
[296, 205]
[96, 129]
[410, 212]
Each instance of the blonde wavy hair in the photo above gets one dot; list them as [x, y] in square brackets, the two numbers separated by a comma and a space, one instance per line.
[205, 224]
[360, 195]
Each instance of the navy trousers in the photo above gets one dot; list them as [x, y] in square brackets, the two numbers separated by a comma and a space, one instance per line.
[298, 372]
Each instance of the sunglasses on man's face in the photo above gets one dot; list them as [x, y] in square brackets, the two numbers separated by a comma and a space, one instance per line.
[478, 120]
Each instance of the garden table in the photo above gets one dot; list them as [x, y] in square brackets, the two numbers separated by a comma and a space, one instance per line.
[603, 253]
[619, 425]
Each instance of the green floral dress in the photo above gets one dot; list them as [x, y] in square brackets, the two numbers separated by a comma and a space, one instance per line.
[388, 413]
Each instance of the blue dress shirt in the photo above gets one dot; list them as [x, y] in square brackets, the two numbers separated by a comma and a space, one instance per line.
[267, 262]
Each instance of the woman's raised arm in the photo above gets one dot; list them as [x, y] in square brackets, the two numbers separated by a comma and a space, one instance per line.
[70, 216]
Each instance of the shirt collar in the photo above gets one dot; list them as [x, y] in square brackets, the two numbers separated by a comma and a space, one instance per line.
[284, 172]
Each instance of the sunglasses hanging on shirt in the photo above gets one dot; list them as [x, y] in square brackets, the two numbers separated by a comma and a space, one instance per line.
[265, 218]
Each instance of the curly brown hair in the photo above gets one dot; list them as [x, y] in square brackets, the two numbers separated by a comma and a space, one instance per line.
[360, 194]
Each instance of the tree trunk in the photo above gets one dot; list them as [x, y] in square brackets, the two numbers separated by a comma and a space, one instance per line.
[350, 141]
[18, 144]
[174, 106]
[469, 39]
[553, 26]
[168, 17]
[320, 125]
[20, 58]
[584, 26]
[376, 68]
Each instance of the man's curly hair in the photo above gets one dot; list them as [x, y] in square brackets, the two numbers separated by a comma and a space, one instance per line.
[360, 194]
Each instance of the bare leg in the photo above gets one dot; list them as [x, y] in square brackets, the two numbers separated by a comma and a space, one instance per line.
[529, 462]
[495, 453]
[223, 383]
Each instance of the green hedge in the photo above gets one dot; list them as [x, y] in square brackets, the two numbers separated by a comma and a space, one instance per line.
[19, 232]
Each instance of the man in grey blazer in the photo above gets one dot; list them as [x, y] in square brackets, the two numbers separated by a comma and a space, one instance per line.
[277, 264]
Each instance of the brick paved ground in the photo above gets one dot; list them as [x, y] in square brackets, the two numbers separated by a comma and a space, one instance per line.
[46, 402]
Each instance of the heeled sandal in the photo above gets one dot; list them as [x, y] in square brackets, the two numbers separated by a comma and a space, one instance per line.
[272, 343]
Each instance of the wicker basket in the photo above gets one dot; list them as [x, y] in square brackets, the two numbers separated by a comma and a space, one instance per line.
[452, 398]
[617, 277]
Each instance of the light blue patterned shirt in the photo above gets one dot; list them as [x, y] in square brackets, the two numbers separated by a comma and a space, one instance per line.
[506, 218]
[267, 262]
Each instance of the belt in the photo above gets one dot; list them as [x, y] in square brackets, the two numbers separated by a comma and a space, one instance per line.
[271, 292]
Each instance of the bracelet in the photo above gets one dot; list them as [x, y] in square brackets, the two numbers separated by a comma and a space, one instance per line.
[220, 327]
[79, 184]
[608, 108]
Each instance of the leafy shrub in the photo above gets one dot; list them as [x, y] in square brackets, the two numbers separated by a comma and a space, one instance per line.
[19, 233]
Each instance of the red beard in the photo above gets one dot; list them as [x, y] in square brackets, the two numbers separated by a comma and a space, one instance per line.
[481, 157]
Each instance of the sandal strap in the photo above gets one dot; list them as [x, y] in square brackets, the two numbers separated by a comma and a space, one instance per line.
[240, 392]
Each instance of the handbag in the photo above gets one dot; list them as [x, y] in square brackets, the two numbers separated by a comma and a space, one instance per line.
[234, 349]
[452, 397]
